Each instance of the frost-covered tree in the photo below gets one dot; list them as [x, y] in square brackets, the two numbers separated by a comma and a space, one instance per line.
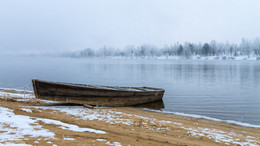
[205, 49]
[180, 50]
[88, 52]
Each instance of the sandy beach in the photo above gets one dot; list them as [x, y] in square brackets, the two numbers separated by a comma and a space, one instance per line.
[27, 120]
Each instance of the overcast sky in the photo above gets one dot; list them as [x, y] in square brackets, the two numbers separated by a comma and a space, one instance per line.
[47, 25]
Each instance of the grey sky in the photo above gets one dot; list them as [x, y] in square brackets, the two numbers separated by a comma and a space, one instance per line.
[47, 25]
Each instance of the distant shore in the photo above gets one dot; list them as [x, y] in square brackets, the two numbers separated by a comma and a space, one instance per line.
[122, 125]
[163, 57]
[197, 57]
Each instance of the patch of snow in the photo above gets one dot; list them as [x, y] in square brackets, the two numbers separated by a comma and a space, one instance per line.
[113, 143]
[15, 127]
[101, 140]
[22, 97]
[48, 101]
[25, 99]
[26, 110]
[16, 95]
[68, 138]
[19, 90]
[117, 143]
[70, 126]
[220, 136]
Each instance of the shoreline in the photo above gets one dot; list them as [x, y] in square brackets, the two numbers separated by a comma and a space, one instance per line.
[196, 116]
[206, 118]
[123, 125]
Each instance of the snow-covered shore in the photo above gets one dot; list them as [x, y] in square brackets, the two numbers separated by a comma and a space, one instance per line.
[196, 57]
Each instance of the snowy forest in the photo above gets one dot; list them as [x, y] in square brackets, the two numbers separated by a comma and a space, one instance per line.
[246, 49]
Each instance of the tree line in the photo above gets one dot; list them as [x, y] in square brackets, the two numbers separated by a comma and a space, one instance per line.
[185, 50]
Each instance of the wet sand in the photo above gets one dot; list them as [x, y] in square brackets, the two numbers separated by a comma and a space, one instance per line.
[122, 126]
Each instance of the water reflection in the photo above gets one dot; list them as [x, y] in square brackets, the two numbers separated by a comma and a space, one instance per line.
[225, 90]
[156, 105]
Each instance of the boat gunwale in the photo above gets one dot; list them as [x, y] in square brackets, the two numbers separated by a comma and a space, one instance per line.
[101, 87]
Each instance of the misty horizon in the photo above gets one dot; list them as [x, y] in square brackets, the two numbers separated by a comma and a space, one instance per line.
[58, 26]
[252, 45]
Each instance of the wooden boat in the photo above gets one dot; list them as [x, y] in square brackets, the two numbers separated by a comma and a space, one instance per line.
[95, 95]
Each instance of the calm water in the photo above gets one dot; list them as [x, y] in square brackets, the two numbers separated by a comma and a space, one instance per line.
[228, 90]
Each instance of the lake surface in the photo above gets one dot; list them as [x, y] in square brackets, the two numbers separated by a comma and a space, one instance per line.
[227, 90]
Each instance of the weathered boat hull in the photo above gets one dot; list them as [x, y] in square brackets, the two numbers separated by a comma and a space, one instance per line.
[95, 95]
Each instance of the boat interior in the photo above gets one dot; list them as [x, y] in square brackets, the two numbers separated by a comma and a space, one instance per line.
[118, 88]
